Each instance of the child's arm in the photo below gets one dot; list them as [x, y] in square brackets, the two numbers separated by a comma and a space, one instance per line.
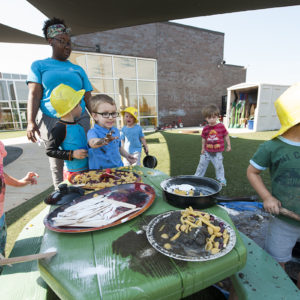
[128, 156]
[271, 204]
[56, 138]
[143, 140]
[95, 142]
[227, 139]
[203, 145]
[28, 179]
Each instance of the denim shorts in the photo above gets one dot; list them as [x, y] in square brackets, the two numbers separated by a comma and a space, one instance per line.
[281, 239]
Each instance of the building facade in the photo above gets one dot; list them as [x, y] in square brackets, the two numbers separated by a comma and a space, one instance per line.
[167, 70]
[190, 70]
[13, 101]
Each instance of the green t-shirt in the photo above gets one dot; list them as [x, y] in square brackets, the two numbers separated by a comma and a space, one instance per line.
[282, 158]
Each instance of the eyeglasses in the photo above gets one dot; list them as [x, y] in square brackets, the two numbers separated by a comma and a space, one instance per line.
[63, 42]
[107, 115]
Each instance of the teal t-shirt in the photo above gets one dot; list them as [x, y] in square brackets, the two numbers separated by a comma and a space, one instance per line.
[50, 73]
[282, 158]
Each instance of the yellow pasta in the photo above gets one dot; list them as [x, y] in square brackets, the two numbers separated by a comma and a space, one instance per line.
[190, 220]
[93, 179]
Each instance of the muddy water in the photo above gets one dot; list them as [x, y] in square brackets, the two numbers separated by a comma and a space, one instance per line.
[254, 224]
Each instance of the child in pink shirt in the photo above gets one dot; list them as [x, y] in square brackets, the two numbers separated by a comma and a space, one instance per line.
[213, 136]
[6, 179]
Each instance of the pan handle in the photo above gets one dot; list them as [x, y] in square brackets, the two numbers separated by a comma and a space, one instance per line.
[147, 153]
[252, 198]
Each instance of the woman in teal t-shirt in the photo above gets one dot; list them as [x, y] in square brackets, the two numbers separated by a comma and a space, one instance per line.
[43, 77]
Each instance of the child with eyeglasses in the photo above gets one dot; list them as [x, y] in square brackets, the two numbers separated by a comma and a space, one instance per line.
[104, 139]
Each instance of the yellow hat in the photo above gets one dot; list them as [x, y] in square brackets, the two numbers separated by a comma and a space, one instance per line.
[288, 108]
[64, 98]
[131, 110]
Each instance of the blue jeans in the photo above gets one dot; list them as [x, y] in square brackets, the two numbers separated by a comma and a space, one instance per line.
[216, 158]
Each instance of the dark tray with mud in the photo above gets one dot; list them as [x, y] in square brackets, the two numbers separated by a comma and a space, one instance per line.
[165, 234]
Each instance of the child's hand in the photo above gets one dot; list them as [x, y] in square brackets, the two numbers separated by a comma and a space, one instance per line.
[108, 139]
[272, 205]
[228, 148]
[146, 149]
[29, 179]
[80, 153]
[105, 141]
[202, 151]
[131, 159]
[101, 142]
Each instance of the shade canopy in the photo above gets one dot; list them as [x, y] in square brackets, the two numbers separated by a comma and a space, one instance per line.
[13, 35]
[88, 16]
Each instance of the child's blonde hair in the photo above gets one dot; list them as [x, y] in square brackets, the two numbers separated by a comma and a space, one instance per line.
[96, 100]
[210, 111]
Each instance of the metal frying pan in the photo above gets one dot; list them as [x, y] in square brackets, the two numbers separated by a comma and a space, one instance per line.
[149, 161]
[206, 192]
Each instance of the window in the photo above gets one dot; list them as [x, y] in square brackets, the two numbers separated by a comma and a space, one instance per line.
[11, 90]
[147, 87]
[99, 66]
[125, 67]
[22, 90]
[3, 90]
[79, 59]
[146, 69]
[13, 101]
[147, 105]
[130, 81]
[104, 86]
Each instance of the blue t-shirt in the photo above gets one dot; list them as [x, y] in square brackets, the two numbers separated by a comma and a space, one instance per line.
[132, 138]
[75, 139]
[107, 156]
[50, 73]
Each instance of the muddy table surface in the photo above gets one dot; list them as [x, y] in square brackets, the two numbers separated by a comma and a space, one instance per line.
[119, 263]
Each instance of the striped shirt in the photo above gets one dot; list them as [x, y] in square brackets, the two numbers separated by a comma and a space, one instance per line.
[214, 137]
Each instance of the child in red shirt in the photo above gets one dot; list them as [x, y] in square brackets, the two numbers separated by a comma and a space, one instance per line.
[213, 136]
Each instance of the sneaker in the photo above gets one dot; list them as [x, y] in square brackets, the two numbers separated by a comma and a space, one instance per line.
[223, 182]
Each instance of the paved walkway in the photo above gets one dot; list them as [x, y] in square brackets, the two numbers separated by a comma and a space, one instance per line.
[33, 159]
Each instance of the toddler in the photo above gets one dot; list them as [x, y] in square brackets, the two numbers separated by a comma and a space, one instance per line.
[5, 179]
[132, 135]
[281, 156]
[67, 140]
[213, 135]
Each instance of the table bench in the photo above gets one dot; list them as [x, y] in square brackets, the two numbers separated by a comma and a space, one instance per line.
[262, 277]
[23, 280]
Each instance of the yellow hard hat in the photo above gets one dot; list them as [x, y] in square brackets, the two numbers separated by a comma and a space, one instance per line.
[131, 110]
[64, 98]
[288, 108]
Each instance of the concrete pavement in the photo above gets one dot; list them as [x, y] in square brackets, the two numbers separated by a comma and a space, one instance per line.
[33, 158]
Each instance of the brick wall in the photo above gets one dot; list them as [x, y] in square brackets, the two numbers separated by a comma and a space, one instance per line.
[187, 64]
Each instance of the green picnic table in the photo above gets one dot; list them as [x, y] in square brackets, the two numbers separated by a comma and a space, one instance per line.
[119, 263]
